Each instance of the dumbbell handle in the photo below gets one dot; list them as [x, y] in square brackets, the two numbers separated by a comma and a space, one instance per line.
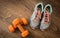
[20, 27]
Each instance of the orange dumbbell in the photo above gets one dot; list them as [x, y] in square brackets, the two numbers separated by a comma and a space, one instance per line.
[21, 21]
[17, 23]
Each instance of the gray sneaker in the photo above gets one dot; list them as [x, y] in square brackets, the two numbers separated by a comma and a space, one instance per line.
[34, 20]
[46, 17]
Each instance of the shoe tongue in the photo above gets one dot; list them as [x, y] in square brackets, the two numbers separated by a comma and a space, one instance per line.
[48, 9]
[40, 7]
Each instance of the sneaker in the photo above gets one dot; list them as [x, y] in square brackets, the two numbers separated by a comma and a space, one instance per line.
[36, 16]
[46, 17]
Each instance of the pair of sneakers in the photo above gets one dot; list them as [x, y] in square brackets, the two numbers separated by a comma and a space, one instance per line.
[41, 15]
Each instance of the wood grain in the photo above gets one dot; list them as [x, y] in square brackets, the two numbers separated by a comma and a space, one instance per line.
[11, 9]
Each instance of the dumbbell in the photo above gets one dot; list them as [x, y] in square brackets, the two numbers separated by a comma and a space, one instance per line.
[22, 21]
[13, 26]
[17, 23]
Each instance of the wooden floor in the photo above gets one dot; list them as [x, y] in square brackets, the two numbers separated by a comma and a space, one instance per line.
[11, 9]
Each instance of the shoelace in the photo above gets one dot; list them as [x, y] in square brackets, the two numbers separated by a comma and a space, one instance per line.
[47, 17]
[38, 15]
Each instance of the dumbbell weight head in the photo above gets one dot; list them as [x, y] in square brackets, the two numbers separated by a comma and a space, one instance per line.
[24, 21]
[25, 33]
[11, 28]
[15, 22]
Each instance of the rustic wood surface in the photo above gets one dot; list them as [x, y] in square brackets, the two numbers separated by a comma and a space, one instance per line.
[11, 9]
